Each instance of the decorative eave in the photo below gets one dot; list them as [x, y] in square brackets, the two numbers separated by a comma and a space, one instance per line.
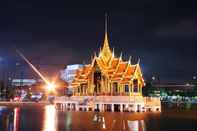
[119, 61]
[138, 69]
[128, 65]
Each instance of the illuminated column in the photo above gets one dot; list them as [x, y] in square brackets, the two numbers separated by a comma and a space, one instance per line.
[86, 90]
[111, 88]
[76, 107]
[121, 107]
[103, 107]
[120, 89]
[118, 86]
[100, 107]
[89, 86]
[82, 90]
[140, 86]
[103, 88]
[132, 86]
[79, 91]
[112, 107]
[130, 92]
[107, 85]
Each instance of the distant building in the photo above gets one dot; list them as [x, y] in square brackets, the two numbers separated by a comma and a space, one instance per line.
[174, 86]
[69, 72]
[23, 82]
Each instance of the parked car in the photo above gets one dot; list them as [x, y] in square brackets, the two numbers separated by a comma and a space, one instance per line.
[36, 97]
[51, 99]
[16, 98]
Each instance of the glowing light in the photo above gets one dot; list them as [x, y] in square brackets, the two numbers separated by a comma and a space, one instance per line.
[16, 119]
[143, 124]
[104, 126]
[133, 125]
[50, 121]
[33, 67]
[49, 86]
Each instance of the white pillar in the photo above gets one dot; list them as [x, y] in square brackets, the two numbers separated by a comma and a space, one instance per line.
[135, 107]
[76, 107]
[103, 107]
[64, 107]
[121, 107]
[112, 107]
[100, 107]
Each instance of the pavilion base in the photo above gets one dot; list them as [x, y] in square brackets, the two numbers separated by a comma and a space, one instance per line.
[108, 103]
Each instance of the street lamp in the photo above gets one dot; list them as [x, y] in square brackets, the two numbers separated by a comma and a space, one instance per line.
[51, 86]
[194, 77]
[153, 78]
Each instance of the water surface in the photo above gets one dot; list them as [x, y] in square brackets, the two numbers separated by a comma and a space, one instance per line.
[48, 118]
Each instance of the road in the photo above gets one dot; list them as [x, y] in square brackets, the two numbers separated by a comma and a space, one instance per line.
[28, 103]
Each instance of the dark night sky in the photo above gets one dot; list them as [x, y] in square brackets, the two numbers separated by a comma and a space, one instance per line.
[162, 33]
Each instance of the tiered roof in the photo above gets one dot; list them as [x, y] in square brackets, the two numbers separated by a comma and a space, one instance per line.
[111, 66]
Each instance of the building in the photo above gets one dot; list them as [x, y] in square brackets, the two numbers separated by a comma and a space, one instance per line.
[69, 72]
[108, 75]
[23, 82]
[108, 83]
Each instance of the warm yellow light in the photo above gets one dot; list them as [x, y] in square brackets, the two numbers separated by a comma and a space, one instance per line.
[51, 86]
[50, 118]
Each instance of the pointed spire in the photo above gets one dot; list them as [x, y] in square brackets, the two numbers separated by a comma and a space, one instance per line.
[129, 62]
[100, 50]
[94, 54]
[138, 62]
[113, 53]
[106, 42]
[105, 52]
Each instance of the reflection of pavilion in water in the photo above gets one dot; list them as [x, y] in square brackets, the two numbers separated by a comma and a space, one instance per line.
[13, 120]
[10, 119]
[50, 118]
[134, 125]
[137, 125]
[71, 121]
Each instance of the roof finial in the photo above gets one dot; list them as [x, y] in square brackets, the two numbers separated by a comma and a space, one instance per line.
[113, 53]
[138, 62]
[129, 60]
[106, 53]
[106, 16]
[95, 54]
[120, 56]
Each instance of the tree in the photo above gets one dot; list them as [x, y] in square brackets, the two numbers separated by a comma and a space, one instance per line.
[149, 90]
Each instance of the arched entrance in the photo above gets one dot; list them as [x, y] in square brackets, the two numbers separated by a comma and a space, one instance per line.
[97, 82]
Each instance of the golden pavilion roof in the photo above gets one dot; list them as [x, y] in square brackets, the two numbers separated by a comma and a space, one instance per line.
[111, 66]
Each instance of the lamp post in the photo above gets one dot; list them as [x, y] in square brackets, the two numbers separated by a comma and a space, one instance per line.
[3, 79]
[153, 78]
[194, 78]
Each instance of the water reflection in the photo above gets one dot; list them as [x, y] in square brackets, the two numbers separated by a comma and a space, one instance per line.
[16, 119]
[137, 125]
[9, 119]
[143, 124]
[50, 118]
[68, 121]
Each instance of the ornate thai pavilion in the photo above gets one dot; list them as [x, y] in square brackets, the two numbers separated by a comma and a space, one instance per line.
[108, 75]
[109, 83]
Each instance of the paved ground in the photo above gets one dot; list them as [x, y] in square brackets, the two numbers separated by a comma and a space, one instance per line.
[8, 103]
